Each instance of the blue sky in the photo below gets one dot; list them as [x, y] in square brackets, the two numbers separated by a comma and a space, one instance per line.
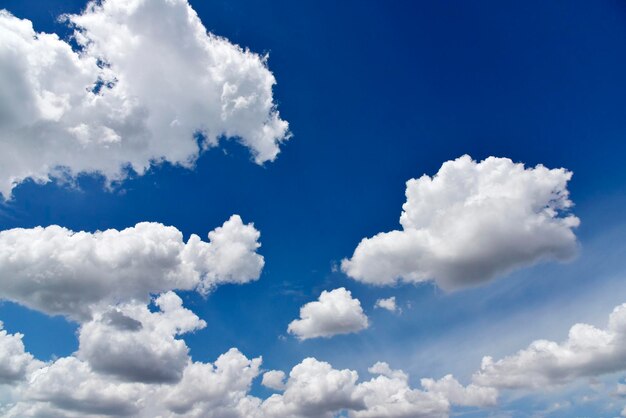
[377, 93]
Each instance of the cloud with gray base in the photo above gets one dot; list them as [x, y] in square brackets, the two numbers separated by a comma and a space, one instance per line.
[587, 352]
[58, 271]
[121, 370]
[470, 223]
[146, 82]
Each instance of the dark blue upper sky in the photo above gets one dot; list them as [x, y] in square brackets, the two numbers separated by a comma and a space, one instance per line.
[376, 93]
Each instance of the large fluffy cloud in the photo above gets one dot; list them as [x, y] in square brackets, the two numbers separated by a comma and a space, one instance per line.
[471, 222]
[58, 271]
[148, 84]
[336, 312]
[587, 352]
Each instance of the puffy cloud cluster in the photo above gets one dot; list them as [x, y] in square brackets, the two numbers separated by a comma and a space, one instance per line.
[471, 222]
[132, 361]
[587, 352]
[58, 271]
[335, 312]
[147, 84]
[129, 363]
[316, 389]
[69, 387]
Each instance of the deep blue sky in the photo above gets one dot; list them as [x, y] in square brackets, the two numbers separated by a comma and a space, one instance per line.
[377, 92]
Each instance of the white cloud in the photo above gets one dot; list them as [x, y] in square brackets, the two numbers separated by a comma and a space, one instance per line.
[587, 352]
[336, 312]
[69, 385]
[146, 80]
[389, 395]
[274, 379]
[130, 364]
[15, 363]
[213, 390]
[70, 388]
[78, 386]
[469, 223]
[134, 344]
[389, 304]
[454, 392]
[58, 271]
[315, 389]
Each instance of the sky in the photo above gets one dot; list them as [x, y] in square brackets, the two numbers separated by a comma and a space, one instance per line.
[429, 202]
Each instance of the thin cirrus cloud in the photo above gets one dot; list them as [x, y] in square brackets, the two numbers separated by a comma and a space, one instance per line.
[146, 82]
[335, 312]
[472, 222]
[58, 271]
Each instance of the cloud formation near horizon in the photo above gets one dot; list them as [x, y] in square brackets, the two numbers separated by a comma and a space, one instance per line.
[78, 385]
[146, 83]
[469, 223]
[156, 376]
[587, 352]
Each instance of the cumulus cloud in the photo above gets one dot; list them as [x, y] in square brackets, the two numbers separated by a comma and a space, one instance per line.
[388, 304]
[471, 222]
[335, 312]
[58, 271]
[15, 362]
[139, 345]
[274, 379]
[455, 393]
[587, 352]
[316, 389]
[214, 390]
[70, 388]
[129, 363]
[147, 84]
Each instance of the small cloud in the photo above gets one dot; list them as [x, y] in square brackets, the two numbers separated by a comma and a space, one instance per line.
[388, 304]
[335, 312]
[274, 379]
